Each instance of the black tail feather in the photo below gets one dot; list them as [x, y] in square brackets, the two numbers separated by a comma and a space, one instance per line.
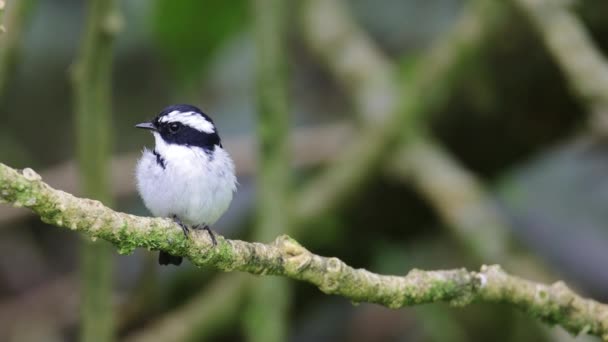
[165, 258]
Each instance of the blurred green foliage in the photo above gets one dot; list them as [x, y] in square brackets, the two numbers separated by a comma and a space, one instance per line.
[188, 32]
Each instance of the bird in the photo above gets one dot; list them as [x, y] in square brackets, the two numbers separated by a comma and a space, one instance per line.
[188, 176]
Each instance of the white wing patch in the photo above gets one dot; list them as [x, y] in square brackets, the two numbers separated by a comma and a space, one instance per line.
[191, 119]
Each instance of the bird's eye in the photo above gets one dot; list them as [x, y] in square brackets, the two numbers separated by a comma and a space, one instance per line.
[174, 127]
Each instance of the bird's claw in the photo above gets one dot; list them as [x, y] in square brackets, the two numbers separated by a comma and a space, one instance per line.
[211, 233]
[184, 227]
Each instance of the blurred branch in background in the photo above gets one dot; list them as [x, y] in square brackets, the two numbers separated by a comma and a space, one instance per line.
[453, 191]
[463, 204]
[209, 311]
[55, 303]
[555, 304]
[2, 10]
[14, 21]
[332, 35]
[369, 78]
[351, 169]
[92, 89]
[573, 49]
[437, 72]
[456, 194]
[263, 322]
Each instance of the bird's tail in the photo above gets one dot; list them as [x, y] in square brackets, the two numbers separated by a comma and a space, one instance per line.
[165, 258]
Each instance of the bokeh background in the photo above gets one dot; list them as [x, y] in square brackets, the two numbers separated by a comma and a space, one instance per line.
[487, 132]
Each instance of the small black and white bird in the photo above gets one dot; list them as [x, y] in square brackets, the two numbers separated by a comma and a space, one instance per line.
[188, 177]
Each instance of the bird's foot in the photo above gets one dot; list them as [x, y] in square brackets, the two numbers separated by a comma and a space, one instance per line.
[179, 222]
[211, 233]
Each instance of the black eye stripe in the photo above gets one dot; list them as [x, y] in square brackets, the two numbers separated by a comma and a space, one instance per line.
[189, 136]
[186, 134]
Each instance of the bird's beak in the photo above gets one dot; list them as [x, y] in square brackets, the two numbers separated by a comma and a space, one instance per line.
[146, 125]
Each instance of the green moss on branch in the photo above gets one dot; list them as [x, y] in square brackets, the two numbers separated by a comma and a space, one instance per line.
[555, 304]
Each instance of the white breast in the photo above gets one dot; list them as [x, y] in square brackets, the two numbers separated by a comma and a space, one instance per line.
[194, 185]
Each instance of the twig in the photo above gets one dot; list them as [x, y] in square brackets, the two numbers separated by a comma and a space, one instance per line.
[583, 65]
[555, 304]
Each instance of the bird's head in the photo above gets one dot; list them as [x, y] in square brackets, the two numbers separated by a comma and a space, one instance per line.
[184, 125]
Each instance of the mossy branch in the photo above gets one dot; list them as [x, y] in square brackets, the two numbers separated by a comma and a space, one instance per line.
[555, 304]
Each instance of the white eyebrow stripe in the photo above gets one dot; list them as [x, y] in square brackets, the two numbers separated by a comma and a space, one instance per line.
[191, 119]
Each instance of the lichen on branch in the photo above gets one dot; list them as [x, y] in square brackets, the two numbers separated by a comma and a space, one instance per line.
[555, 304]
